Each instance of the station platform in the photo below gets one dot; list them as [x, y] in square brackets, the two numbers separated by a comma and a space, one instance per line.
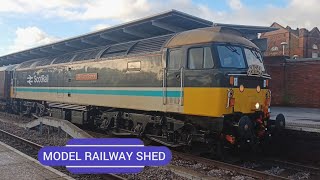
[300, 119]
[16, 165]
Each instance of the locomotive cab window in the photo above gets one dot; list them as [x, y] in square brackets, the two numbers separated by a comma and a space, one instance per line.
[175, 59]
[231, 56]
[253, 57]
[200, 58]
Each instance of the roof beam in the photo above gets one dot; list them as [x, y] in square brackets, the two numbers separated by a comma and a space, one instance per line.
[37, 52]
[135, 33]
[29, 55]
[16, 56]
[167, 26]
[108, 37]
[52, 51]
[25, 55]
[63, 49]
[78, 45]
[87, 41]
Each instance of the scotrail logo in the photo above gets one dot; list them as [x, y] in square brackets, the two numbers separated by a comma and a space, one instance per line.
[30, 80]
[37, 79]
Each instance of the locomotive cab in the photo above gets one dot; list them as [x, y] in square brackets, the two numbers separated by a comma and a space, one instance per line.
[223, 78]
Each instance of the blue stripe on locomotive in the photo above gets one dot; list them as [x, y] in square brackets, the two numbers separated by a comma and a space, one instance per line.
[148, 93]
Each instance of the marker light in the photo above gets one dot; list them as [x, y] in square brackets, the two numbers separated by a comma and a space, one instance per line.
[265, 83]
[231, 80]
[258, 88]
[257, 106]
[235, 81]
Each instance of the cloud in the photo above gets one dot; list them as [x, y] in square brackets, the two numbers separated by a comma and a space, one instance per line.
[296, 13]
[99, 27]
[25, 6]
[30, 37]
[235, 4]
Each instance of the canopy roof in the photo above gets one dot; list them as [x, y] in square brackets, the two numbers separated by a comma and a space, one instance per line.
[158, 25]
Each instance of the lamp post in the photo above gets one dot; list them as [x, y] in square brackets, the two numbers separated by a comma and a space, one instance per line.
[283, 44]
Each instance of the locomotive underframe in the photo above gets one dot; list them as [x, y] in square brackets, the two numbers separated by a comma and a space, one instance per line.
[175, 130]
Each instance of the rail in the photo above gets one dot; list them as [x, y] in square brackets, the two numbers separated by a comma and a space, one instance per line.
[38, 147]
[226, 166]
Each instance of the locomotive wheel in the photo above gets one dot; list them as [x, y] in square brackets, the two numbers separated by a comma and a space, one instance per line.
[280, 122]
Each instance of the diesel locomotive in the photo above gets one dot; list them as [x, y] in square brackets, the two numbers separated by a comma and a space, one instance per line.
[205, 85]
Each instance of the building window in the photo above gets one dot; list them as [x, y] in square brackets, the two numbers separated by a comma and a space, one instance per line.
[314, 55]
[274, 48]
[314, 46]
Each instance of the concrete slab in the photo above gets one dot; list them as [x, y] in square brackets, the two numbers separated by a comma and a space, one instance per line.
[19, 171]
[65, 125]
[302, 119]
[16, 165]
[9, 157]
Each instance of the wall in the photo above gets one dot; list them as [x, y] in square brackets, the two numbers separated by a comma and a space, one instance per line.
[294, 82]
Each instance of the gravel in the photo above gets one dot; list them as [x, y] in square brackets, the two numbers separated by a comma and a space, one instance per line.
[154, 173]
[300, 175]
[50, 136]
[208, 170]
[274, 170]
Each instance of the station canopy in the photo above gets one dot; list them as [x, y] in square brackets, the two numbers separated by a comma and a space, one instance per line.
[161, 24]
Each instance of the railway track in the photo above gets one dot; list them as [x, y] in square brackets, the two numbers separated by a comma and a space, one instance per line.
[238, 169]
[255, 172]
[31, 149]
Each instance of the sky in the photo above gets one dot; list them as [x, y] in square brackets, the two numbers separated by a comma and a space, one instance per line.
[29, 23]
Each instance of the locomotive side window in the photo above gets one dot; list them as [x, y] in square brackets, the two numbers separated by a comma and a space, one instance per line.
[175, 59]
[200, 58]
[231, 56]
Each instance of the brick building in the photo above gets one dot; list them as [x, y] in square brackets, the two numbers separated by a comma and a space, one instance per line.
[294, 82]
[299, 43]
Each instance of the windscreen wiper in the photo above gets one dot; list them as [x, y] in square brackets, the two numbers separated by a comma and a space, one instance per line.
[233, 49]
[256, 54]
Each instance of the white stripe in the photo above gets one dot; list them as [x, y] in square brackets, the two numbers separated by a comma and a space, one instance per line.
[105, 166]
[102, 145]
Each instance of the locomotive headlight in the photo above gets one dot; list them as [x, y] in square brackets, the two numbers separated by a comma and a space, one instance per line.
[241, 88]
[258, 88]
[257, 106]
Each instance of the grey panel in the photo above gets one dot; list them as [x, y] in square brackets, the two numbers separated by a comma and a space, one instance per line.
[117, 50]
[63, 59]
[45, 61]
[27, 64]
[150, 45]
[87, 55]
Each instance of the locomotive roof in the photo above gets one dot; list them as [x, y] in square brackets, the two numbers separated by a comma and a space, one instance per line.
[207, 35]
